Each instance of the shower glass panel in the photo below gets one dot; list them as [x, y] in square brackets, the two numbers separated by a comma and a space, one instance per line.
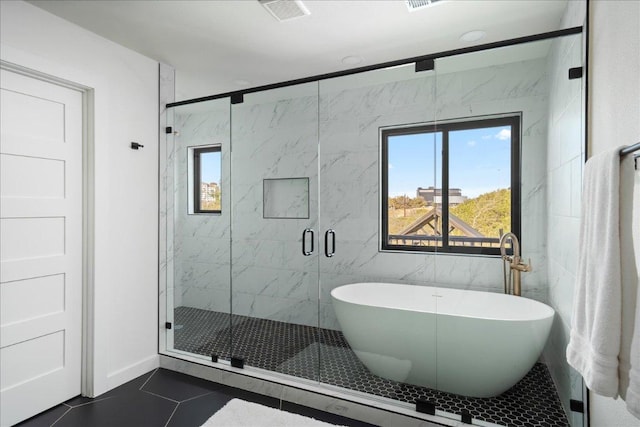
[198, 228]
[359, 351]
[512, 158]
[275, 231]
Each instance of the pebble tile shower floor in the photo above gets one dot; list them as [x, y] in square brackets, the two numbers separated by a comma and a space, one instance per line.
[324, 355]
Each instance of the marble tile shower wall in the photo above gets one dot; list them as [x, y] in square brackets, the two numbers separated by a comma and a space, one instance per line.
[278, 139]
[275, 136]
[349, 164]
[349, 194]
[564, 179]
[201, 241]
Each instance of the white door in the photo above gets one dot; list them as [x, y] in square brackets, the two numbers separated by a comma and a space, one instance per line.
[40, 245]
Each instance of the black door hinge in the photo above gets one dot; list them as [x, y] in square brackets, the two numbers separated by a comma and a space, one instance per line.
[575, 73]
[237, 362]
[576, 406]
[426, 406]
[425, 65]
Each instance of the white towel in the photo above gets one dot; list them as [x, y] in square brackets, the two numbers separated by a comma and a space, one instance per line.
[629, 358]
[594, 342]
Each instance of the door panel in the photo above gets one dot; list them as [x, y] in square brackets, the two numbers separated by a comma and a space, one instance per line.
[41, 245]
[274, 228]
[353, 111]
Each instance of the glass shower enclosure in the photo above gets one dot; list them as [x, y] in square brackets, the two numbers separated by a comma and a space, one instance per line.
[272, 199]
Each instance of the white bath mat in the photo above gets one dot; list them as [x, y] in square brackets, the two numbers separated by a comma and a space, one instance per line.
[240, 413]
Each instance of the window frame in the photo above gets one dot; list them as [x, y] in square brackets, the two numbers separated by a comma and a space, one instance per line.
[512, 119]
[197, 184]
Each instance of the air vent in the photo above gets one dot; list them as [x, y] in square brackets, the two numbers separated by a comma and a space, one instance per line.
[284, 10]
[414, 5]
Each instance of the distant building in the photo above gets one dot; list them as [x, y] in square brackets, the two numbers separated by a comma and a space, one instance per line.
[209, 191]
[434, 195]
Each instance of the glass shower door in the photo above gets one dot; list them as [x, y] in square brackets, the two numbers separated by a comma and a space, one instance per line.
[362, 347]
[196, 187]
[275, 230]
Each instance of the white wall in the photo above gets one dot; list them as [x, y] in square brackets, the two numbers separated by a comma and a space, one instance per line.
[125, 88]
[614, 119]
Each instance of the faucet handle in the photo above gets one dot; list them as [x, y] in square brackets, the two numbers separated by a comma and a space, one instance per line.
[525, 267]
[521, 266]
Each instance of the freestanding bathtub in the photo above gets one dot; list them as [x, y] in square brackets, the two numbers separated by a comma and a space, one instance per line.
[465, 342]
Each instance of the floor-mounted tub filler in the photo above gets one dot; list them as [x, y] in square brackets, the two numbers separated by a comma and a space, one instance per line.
[470, 343]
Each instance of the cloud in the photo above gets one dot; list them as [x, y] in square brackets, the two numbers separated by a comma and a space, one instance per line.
[390, 166]
[487, 137]
[471, 143]
[504, 134]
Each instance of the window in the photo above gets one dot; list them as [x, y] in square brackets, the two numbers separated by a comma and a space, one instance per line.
[206, 179]
[451, 187]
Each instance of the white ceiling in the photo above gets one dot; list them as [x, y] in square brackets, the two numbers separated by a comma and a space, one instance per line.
[214, 44]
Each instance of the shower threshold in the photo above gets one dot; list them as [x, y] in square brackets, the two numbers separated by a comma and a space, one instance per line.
[323, 355]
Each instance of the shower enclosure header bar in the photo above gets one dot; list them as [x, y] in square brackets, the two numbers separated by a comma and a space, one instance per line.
[478, 48]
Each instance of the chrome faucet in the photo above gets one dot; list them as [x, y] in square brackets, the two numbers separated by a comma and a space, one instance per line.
[516, 266]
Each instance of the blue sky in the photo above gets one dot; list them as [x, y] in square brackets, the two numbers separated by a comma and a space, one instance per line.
[479, 161]
[210, 167]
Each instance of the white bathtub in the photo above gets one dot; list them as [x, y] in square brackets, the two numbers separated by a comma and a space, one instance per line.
[465, 342]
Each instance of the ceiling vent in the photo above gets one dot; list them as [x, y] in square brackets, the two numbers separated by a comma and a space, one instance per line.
[414, 5]
[284, 10]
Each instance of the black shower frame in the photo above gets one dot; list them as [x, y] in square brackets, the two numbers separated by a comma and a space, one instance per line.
[238, 96]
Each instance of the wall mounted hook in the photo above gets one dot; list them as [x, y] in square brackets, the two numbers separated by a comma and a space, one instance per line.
[135, 146]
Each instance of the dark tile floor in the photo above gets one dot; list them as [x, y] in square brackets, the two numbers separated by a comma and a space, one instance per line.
[163, 398]
[324, 355]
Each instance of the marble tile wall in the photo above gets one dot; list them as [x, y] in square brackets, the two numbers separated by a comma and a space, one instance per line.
[201, 242]
[565, 157]
[275, 136]
[349, 165]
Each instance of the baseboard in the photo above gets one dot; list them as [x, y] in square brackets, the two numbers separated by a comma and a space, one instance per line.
[132, 371]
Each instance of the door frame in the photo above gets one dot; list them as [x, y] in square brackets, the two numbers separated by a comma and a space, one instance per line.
[88, 226]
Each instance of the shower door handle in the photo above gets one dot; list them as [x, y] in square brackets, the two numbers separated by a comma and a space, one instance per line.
[304, 242]
[331, 233]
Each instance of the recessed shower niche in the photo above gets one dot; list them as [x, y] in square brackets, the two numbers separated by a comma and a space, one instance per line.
[284, 198]
[248, 284]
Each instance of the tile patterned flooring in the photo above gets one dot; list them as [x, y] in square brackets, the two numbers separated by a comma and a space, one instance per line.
[163, 398]
[324, 355]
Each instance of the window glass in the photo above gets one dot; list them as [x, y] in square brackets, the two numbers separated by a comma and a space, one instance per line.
[207, 182]
[413, 170]
[479, 185]
[448, 187]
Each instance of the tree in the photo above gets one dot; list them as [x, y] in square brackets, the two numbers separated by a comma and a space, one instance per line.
[488, 213]
[400, 202]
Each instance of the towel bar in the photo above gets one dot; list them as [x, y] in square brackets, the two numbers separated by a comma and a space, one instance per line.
[630, 149]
